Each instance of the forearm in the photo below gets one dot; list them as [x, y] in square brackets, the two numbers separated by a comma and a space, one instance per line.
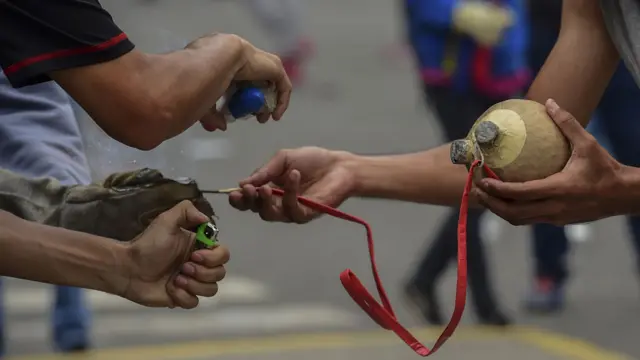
[579, 67]
[143, 99]
[189, 82]
[57, 256]
[425, 177]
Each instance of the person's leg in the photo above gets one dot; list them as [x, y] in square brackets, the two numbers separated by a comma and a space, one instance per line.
[550, 251]
[442, 250]
[456, 113]
[39, 136]
[620, 114]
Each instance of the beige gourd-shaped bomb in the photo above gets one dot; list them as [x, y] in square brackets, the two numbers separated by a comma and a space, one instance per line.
[518, 140]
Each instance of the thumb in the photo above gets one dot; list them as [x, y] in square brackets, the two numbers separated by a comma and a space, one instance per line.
[273, 169]
[184, 215]
[570, 127]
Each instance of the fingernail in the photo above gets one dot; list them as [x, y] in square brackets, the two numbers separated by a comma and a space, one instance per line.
[552, 105]
[181, 280]
[188, 269]
[197, 257]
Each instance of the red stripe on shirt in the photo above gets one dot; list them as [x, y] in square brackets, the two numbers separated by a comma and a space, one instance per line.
[62, 53]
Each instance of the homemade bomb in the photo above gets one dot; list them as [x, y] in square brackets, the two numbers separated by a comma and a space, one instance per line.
[517, 140]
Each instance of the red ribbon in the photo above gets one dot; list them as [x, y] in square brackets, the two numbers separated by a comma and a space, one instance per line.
[382, 312]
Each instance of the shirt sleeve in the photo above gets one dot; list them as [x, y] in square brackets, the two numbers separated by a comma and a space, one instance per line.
[38, 37]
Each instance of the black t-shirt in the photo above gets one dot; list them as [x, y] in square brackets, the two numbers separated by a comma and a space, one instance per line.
[41, 36]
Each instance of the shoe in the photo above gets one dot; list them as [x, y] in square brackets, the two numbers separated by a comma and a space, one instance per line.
[72, 341]
[425, 303]
[546, 297]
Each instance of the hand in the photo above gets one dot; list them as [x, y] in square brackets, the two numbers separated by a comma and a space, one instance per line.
[316, 173]
[590, 187]
[258, 67]
[164, 269]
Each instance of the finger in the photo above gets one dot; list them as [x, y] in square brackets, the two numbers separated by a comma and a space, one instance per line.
[202, 273]
[554, 185]
[211, 258]
[274, 168]
[570, 127]
[252, 198]
[184, 215]
[284, 88]
[290, 205]
[213, 120]
[195, 288]
[263, 117]
[271, 208]
[516, 213]
[180, 295]
[238, 201]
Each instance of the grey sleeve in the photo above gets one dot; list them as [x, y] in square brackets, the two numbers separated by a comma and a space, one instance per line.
[622, 18]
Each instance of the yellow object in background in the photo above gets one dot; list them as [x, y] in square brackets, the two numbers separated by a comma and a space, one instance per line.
[483, 21]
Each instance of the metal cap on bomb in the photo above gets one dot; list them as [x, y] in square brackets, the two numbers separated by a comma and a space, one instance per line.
[246, 101]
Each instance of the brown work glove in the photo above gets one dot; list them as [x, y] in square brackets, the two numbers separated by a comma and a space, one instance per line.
[120, 207]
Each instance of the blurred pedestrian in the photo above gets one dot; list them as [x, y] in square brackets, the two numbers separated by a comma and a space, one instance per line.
[283, 21]
[469, 59]
[39, 136]
[614, 125]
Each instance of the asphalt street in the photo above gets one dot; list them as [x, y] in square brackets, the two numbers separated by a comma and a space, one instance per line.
[283, 279]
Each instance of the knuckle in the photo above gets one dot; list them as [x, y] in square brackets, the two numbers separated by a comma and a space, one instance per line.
[590, 142]
[282, 153]
[277, 60]
[563, 117]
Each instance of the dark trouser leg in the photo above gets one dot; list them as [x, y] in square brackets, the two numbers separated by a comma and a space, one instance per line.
[550, 248]
[441, 251]
[620, 110]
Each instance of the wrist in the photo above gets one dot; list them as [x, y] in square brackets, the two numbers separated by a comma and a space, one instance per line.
[354, 166]
[118, 282]
[628, 185]
[230, 44]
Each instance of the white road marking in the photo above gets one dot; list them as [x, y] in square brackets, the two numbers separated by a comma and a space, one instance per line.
[228, 321]
[39, 299]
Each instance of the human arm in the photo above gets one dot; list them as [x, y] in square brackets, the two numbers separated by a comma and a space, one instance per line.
[158, 268]
[583, 60]
[575, 74]
[139, 99]
[52, 255]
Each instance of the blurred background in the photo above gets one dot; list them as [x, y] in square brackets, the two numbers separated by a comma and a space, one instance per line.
[357, 88]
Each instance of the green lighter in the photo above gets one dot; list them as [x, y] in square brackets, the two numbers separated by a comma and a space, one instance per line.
[206, 236]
